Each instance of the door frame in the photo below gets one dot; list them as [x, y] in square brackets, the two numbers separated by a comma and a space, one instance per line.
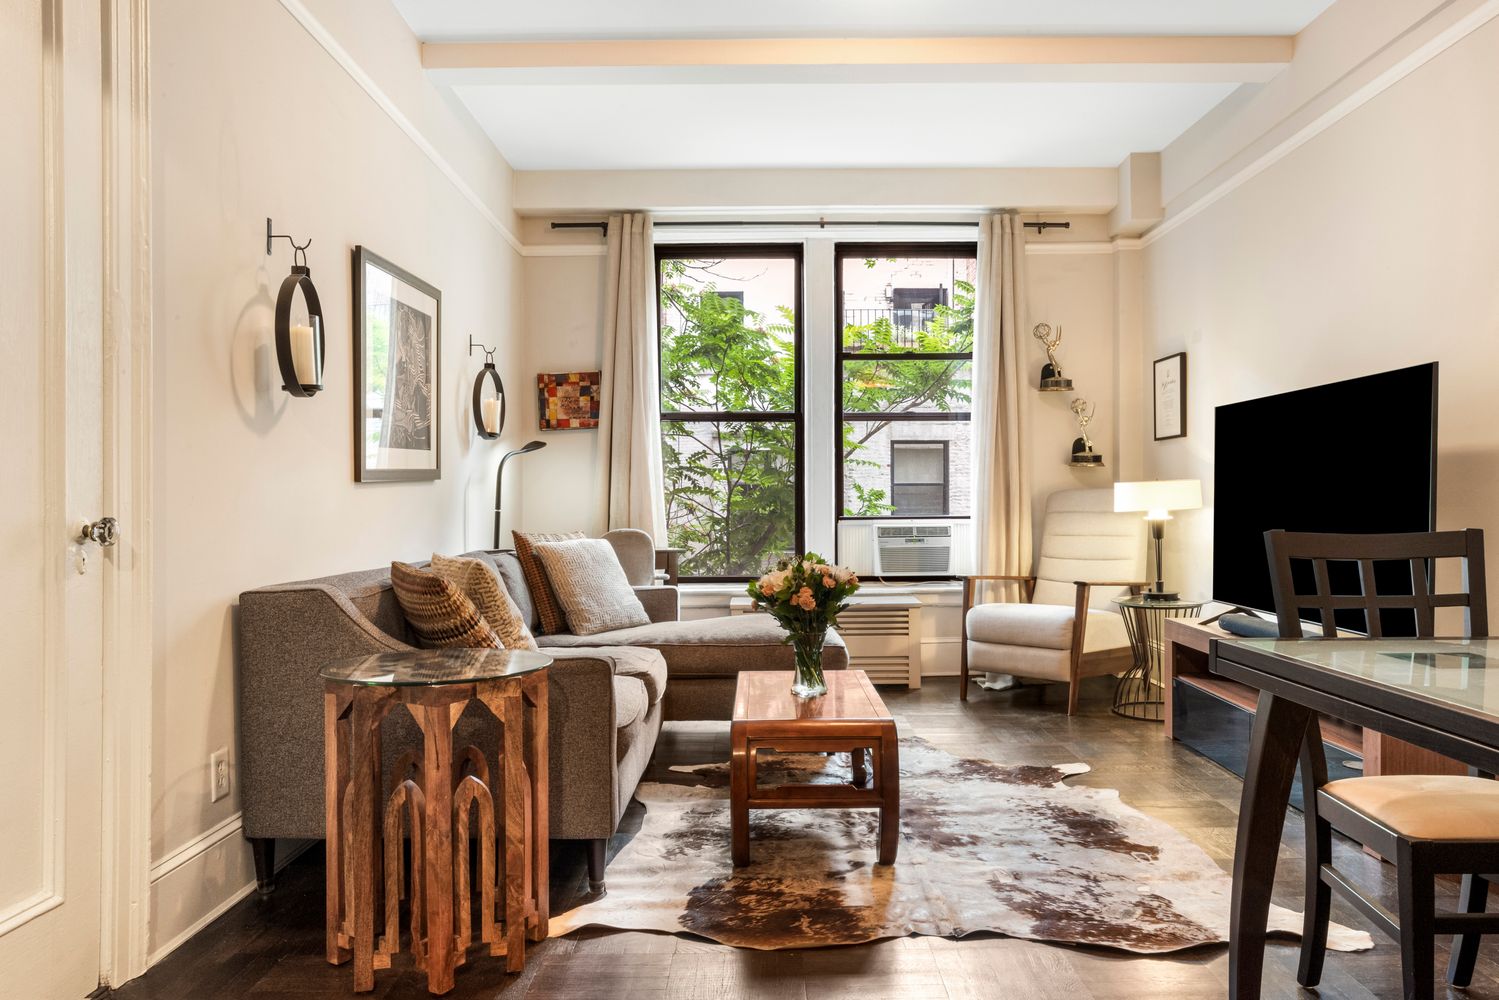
[127, 669]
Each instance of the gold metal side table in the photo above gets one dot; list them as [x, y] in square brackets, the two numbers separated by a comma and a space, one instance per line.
[451, 792]
[1139, 694]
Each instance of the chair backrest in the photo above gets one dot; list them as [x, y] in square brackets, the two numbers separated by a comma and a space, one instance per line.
[1393, 582]
[1083, 539]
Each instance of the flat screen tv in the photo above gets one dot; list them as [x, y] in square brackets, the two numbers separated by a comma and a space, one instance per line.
[1357, 456]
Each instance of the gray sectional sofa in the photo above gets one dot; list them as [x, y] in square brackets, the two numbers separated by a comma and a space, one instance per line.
[609, 693]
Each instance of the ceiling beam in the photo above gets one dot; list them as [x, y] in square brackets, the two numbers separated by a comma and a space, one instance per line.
[1030, 58]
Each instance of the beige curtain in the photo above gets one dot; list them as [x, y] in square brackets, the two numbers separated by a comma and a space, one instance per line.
[631, 423]
[1001, 460]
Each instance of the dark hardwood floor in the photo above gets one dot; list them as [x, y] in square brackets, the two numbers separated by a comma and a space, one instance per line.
[272, 948]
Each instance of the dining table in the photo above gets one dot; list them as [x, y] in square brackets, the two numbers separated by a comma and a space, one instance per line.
[1441, 694]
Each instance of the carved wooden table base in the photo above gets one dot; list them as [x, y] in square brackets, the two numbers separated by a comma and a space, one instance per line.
[440, 799]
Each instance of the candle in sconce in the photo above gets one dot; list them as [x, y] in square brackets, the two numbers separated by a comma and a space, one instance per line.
[306, 358]
[491, 413]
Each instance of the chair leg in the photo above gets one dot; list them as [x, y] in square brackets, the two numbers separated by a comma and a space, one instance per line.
[963, 668]
[1417, 889]
[1073, 689]
[1318, 853]
[1474, 899]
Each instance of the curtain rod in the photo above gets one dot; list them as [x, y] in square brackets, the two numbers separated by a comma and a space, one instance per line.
[603, 227]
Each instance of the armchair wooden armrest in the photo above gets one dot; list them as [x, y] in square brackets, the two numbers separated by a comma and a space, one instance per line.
[1080, 608]
[1027, 582]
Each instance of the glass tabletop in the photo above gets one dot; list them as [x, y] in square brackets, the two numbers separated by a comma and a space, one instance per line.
[1138, 601]
[1451, 672]
[433, 667]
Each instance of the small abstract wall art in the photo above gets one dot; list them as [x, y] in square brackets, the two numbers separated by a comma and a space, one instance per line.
[568, 400]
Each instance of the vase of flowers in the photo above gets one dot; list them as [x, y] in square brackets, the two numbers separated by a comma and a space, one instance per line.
[805, 596]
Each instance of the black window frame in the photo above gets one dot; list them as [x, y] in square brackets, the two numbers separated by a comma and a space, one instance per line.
[841, 252]
[797, 417]
[946, 475]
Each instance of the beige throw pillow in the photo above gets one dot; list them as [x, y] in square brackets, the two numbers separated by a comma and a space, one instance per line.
[438, 612]
[549, 617]
[591, 586]
[480, 584]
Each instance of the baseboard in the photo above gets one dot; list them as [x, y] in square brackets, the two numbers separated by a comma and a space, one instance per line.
[197, 883]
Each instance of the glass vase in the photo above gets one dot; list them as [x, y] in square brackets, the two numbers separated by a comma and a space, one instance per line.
[809, 682]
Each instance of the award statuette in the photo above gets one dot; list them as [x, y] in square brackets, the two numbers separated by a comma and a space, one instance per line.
[1052, 379]
[1083, 455]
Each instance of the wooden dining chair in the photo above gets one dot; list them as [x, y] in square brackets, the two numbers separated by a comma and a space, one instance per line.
[1426, 824]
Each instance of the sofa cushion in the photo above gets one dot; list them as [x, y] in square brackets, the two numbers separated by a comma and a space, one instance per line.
[630, 700]
[590, 585]
[549, 614]
[481, 584]
[1043, 626]
[709, 647]
[438, 612]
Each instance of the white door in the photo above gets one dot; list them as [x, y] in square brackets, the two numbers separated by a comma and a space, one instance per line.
[51, 317]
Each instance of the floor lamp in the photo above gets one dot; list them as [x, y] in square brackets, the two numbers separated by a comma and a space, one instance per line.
[1157, 499]
[499, 479]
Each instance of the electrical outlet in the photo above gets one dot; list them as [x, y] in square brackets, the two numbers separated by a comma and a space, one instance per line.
[218, 774]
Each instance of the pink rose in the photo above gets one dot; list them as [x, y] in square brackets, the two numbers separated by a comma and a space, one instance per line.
[767, 588]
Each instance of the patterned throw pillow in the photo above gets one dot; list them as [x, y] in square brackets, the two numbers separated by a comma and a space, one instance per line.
[591, 586]
[548, 611]
[481, 584]
[438, 612]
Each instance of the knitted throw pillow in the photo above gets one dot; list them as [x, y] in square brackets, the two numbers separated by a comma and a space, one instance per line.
[591, 586]
[438, 612]
[548, 611]
[481, 585]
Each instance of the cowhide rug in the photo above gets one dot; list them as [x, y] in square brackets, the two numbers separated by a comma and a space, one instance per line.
[984, 847]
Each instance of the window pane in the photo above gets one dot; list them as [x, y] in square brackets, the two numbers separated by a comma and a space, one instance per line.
[918, 463]
[731, 493]
[907, 303]
[728, 339]
[915, 501]
[873, 487]
[907, 386]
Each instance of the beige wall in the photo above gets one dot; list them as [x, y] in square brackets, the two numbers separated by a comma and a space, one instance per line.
[253, 117]
[1369, 247]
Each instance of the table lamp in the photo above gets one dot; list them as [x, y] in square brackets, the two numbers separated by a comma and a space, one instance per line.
[1158, 498]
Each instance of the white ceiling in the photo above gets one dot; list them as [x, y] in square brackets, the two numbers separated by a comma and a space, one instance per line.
[519, 20]
[606, 117]
[593, 127]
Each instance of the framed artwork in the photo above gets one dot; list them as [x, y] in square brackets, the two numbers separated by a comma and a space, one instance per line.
[397, 340]
[1171, 396]
[568, 400]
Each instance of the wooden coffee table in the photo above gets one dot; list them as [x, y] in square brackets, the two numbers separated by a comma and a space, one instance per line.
[850, 718]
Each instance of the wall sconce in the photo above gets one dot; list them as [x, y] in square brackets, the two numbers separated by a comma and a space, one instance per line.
[489, 411]
[299, 347]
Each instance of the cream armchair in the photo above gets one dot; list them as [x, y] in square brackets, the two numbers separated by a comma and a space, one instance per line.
[1066, 626]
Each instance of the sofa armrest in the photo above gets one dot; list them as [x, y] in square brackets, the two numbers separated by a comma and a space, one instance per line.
[285, 635]
[662, 604]
[583, 775]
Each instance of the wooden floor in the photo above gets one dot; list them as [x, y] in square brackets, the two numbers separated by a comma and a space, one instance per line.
[272, 948]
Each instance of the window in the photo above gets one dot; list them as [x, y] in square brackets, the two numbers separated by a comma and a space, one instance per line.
[918, 478]
[731, 412]
[905, 373]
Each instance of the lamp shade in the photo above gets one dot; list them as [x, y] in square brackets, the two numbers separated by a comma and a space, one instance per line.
[1158, 496]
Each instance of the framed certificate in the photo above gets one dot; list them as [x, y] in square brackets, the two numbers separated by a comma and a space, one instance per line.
[1171, 396]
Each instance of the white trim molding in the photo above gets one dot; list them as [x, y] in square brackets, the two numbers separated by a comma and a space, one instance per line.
[1340, 109]
[383, 101]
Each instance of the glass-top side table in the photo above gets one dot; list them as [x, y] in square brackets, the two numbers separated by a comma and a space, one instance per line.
[441, 797]
[1139, 694]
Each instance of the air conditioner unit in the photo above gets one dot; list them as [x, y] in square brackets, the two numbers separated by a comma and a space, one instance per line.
[913, 549]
